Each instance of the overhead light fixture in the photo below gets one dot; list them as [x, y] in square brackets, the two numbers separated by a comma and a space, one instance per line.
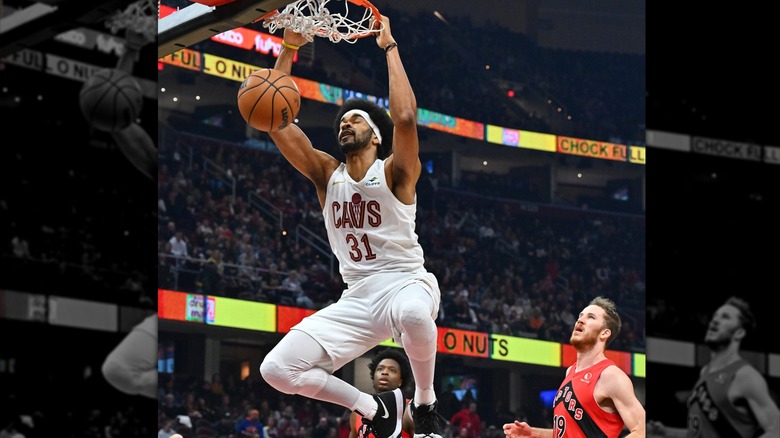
[441, 17]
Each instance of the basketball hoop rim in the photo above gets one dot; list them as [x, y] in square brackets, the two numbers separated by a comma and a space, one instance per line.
[377, 16]
[368, 5]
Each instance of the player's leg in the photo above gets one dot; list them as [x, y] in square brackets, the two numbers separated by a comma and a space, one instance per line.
[298, 364]
[131, 367]
[414, 311]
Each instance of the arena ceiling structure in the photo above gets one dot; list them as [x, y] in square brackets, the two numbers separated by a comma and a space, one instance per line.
[28, 23]
[49, 48]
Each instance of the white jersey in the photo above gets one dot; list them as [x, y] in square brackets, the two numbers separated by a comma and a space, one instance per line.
[369, 229]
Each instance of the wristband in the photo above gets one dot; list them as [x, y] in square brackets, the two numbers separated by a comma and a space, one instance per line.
[290, 46]
[390, 46]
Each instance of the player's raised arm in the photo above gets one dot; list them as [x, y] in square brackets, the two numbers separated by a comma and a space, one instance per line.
[405, 160]
[296, 147]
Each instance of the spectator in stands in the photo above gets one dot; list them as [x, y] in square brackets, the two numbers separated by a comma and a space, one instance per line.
[322, 429]
[468, 419]
[247, 267]
[269, 428]
[449, 403]
[170, 408]
[288, 423]
[272, 286]
[205, 407]
[216, 388]
[250, 426]
[294, 287]
[179, 246]
[210, 276]
[167, 431]
[460, 313]
[20, 247]
[228, 414]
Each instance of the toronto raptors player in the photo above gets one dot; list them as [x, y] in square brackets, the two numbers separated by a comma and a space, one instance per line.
[596, 398]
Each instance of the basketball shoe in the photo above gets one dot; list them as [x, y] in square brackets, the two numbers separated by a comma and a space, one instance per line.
[428, 423]
[387, 421]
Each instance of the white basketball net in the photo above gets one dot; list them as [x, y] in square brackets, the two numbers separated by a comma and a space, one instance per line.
[140, 16]
[312, 18]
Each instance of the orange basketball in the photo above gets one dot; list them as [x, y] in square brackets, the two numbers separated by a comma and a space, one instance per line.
[268, 100]
[111, 100]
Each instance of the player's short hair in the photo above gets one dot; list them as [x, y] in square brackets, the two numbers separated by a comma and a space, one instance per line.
[398, 356]
[746, 316]
[611, 317]
[379, 116]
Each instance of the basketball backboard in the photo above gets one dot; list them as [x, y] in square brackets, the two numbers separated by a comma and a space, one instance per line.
[202, 20]
[25, 23]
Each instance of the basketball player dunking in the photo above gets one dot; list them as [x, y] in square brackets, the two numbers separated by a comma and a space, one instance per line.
[369, 208]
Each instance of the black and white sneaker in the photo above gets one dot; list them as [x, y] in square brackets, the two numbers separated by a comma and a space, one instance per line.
[428, 423]
[387, 421]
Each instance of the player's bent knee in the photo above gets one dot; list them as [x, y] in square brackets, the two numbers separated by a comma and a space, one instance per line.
[278, 376]
[415, 316]
[272, 372]
[118, 377]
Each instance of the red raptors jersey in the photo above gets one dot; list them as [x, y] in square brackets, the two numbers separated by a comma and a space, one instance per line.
[710, 412]
[359, 422]
[576, 413]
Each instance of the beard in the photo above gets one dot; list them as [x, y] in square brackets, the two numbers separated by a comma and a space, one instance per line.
[719, 342]
[583, 342]
[360, 141]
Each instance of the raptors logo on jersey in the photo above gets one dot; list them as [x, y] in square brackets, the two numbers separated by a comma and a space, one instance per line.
[576, 414]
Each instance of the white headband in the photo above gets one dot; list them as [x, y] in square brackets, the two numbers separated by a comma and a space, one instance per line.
[370, 122]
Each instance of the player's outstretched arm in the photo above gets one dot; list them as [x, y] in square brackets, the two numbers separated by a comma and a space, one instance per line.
[134, 142]
[294, 145]
[520, 429]
[138, 147]
[352, 425]
[619, 388]
[405, 160]
[656, 429]
[134, 41]
[753, 388]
